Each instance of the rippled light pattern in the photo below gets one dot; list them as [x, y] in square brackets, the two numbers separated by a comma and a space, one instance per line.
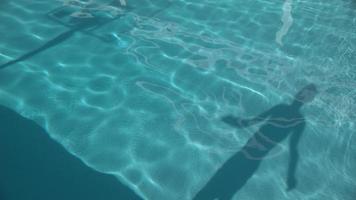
[141, 97]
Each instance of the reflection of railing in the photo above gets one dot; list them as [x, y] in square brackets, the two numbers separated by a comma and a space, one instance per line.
[123, 2]
[287, 20]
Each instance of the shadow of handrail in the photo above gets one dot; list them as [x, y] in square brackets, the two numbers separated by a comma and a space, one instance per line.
[82, 25]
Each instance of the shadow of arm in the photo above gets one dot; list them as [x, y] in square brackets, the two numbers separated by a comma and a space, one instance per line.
[242, 123]
[294, 156]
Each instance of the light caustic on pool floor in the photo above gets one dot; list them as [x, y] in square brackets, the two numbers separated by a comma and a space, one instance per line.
[149, 112]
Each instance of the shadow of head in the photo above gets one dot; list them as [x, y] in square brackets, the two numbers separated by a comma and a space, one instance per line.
[305, 95]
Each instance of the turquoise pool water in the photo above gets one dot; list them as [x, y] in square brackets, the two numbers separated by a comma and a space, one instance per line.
[137, 88]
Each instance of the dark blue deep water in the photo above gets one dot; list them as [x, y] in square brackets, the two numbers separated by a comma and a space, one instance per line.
[33, 166]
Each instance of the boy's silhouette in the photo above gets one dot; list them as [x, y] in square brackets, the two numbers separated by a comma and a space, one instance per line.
[279, 122]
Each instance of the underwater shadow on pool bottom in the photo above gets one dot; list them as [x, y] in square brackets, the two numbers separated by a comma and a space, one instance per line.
[35, 167]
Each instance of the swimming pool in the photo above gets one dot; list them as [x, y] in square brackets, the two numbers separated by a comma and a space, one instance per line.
[138, 89]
